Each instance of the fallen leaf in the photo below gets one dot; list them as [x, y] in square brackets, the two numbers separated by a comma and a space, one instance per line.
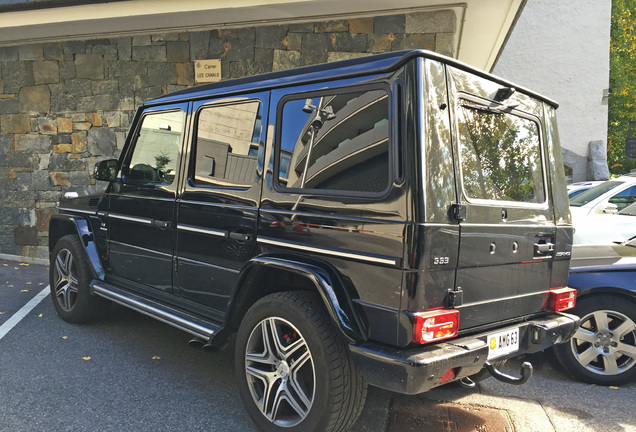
[40, 316]
[41, 283]
[613, 387]
[156, 358]
[1, 313]
[22, 290]
[28, 283]
[16, 268]
[24, 264]
[64, 337]
[86, 358]
[5, 265]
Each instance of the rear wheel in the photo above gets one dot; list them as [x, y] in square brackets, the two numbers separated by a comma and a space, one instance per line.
[603, 349]
[69, 277]
[293, 369]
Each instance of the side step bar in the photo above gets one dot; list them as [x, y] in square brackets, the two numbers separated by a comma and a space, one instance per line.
[166, 314]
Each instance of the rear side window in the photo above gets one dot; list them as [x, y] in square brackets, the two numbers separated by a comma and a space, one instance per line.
[226, 144]
[336, 142]
[500, 155]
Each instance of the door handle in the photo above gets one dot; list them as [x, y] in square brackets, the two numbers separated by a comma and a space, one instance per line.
[543, 248]
[234, 235]
[161, 224]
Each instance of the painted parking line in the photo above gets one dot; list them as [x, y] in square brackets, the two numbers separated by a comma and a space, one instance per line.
[19, 315]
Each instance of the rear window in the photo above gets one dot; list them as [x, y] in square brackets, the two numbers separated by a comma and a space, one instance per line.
[593, 193]
[500, 155]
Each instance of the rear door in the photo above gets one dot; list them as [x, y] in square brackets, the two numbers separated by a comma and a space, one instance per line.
[218, 206]
[507, 236]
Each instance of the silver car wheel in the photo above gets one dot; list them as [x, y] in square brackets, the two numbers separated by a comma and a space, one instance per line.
[605, 343]
[280, 372]
[65, 281]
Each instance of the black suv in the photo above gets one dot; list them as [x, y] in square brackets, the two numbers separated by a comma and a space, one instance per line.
[399, 220]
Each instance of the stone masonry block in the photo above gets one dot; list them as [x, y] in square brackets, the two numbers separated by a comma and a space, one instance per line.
[25, 236]
[53, 51]
[284, 60]
[89, 66]
[9, 53]
[47, 126]
[389, 24]
[102, 141]
[35, 99]
[332, 26]
[46, 72]
[270, 36]
[31, 52]
[442, 21]
[64, 125]
[15, 124]
[177, 52]
[9, 106]
[32, 143]
[16, 75]
[153, 53]
[361, 25]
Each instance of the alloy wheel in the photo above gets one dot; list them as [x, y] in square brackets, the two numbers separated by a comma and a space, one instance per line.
[65, 280]
[280, 372]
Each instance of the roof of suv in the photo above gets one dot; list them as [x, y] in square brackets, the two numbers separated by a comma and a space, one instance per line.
[379, 63]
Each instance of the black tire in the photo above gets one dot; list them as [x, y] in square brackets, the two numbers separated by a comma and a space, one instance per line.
[69, 276]
[597, 353]
[308, 365]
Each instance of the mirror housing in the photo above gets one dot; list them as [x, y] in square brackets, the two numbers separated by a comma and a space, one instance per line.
[106, 170]
[608, 208]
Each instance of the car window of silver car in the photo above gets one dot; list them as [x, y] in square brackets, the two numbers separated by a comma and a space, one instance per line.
[593, 193]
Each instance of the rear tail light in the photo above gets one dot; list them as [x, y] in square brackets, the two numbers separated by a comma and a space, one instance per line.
[435, 325]
[562, 299]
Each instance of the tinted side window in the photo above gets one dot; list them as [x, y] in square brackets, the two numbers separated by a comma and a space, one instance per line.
[500, 156]
[226, 144]
[337, 142]
[624, 198]
[155, 155]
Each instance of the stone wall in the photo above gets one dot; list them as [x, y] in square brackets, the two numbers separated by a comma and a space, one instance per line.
[65, 105]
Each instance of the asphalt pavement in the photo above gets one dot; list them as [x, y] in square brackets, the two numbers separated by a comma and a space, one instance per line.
[129, 372]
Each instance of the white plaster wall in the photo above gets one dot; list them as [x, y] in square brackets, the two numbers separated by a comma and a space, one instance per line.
[560, 48]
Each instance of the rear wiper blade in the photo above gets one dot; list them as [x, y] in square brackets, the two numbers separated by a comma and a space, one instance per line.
[500, 109]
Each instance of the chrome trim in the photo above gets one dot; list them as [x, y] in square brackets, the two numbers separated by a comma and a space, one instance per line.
[153, 312]
[140, 248]
[536, 293]
[209, 231]
[146, 197]
[508, 224]
[368, 258]
[223, 205]
[142, 220]
[207, 264]
[77, 210]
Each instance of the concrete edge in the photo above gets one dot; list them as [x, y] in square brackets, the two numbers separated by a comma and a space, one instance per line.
[23, 259]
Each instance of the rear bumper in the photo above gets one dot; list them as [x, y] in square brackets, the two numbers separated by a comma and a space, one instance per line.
[420, 369]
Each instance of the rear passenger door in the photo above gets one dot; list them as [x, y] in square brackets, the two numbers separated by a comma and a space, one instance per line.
[508, 232]
[218, 206]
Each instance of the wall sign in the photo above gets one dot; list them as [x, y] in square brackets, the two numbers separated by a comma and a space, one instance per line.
[207, 71]
[630, 147]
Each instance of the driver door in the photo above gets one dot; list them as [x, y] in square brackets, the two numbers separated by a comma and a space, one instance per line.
[142, 201]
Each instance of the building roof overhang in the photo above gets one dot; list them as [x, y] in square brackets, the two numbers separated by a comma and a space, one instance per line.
[482, 26]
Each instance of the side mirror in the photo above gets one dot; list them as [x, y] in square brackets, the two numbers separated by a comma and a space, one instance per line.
[608, 208]
[106, 170]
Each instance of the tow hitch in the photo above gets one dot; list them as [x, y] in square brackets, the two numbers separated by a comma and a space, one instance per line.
[526, 373]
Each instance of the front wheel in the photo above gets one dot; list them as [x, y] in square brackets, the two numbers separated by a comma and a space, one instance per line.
[603, 349]
[69, 276]
[293, 369]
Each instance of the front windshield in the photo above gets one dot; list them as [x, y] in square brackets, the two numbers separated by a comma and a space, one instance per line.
[593, 193]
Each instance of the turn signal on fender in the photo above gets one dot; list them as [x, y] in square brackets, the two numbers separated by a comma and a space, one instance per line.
[435, 325]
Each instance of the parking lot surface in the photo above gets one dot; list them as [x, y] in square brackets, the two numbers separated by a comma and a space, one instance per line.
[129, 372]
